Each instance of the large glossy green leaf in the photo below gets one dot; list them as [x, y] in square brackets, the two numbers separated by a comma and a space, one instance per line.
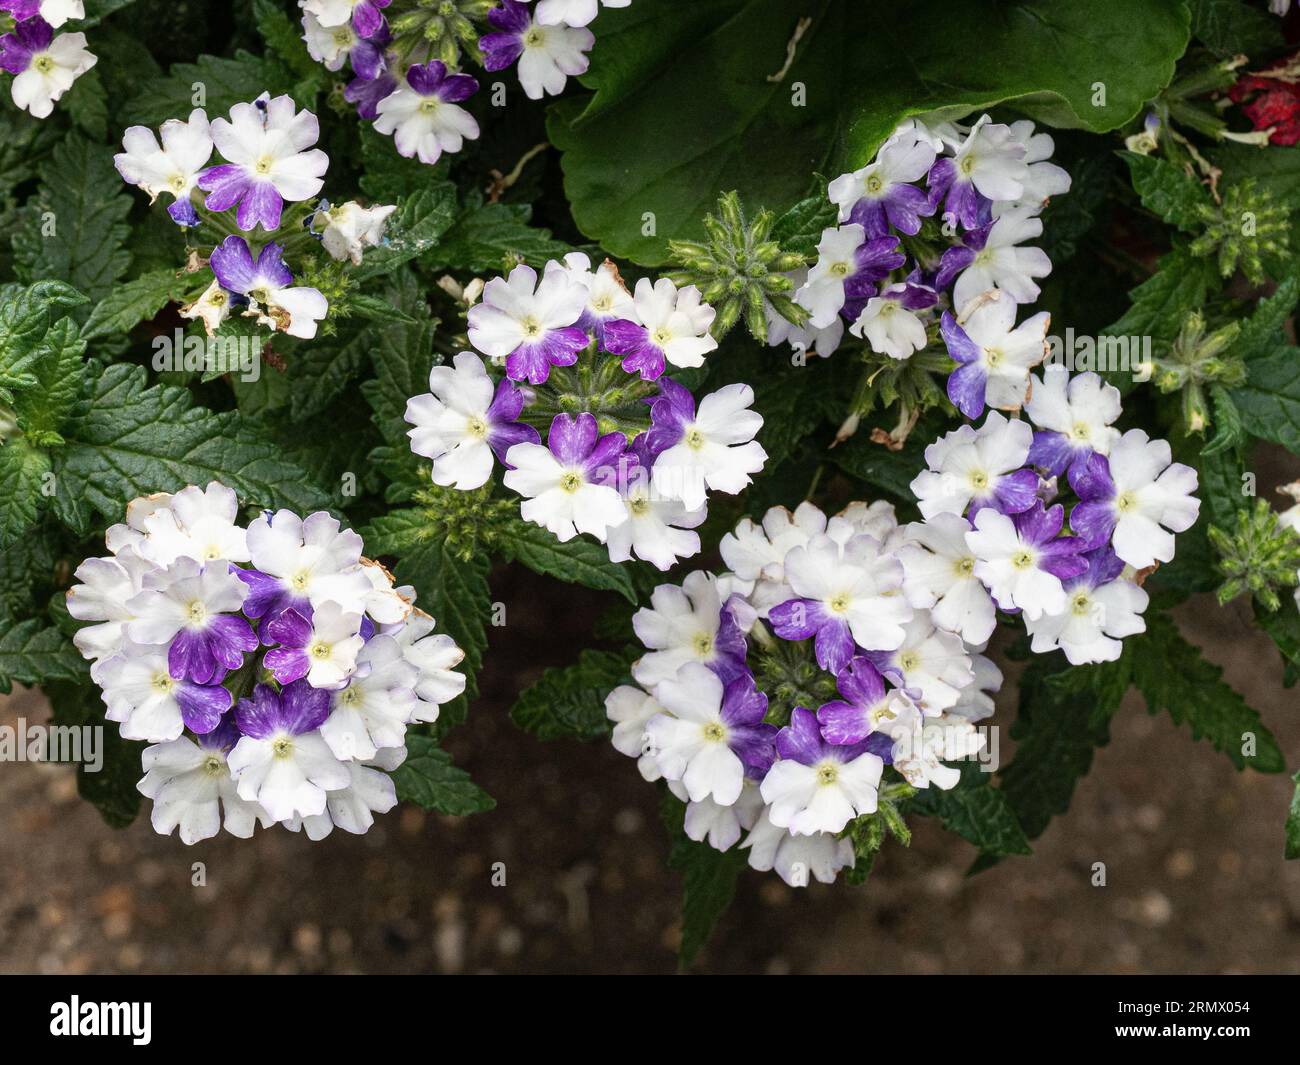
[694, 99]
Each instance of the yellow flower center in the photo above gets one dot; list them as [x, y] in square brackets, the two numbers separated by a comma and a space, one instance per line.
[714, 732]
[1022, 559]
[827, 773]
[570, 481]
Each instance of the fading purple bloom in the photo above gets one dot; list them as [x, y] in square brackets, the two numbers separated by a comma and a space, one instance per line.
[1093, 519]
[852, 718]
[432, 79]
[366, 93]
[366, 17]
[802, 741]
[801, 619]
[205, 655]
[968, 383]
[504, 430]
[1040, 526]
[958, 257]
[30, 36]
[670, 412]
[748, 736]
[576, 443]
[289, 660]
[201, 705]
[503, 48]
[298, 708]
[960, 198]
[236, 271]
[903, 207]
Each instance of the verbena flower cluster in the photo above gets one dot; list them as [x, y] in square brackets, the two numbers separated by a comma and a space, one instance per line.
[783, 699]
[273, 669]
[405, 58]
[937, 221]
[1053, 518]
[269, 162]
[43, 65]
[629, 457]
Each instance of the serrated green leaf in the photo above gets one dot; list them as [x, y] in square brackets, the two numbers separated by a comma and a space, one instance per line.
[579, 561]
[1172, 675]
[976, 811]
[800, 229]
[1265, 330]
[284, 38]
[22, 476]
[428, 779]
[86, 104]
[1269, 401]
[708, 881]
[1168, 190]
[58, 370]
[32, 652]
[1229, 432]
[223, 83]
[402, 356]
[131, 303]
[414, 229]
[568, 702]
[1056, 730]
[490, 238]
[322, 370]
[25, 314]
[75, 228]
[456, 593]
[126, 440]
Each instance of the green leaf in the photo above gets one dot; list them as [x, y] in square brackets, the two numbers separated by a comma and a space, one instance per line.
[22, 476]
[1056, 730]
[58, 371]
[1265, 330]
[126, 440]
[1227, 27]
[322, 370]
[1293, 822]
[86, 103]
[580, 561]
[413, 229]
[1180, 285]
[402, 356]
[111, 790]
[75, 228]
[1173, 676]
[877, 466]
[224, 83]
[976, 811]
[131, 303]
[708, 881]
[31, 652]
[428, 779]
[1230, 432]
[1269, 401]
[1283, 628]
[800, 228]
[456, 593]
[24, 320]
[735, 121]
[284, 38]
[569, 701]
[491, 238]
[1167, 189]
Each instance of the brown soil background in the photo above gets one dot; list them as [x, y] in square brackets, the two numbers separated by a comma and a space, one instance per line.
[1193, 850]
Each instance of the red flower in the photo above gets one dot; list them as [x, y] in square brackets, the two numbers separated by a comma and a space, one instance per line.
[1273, 102]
